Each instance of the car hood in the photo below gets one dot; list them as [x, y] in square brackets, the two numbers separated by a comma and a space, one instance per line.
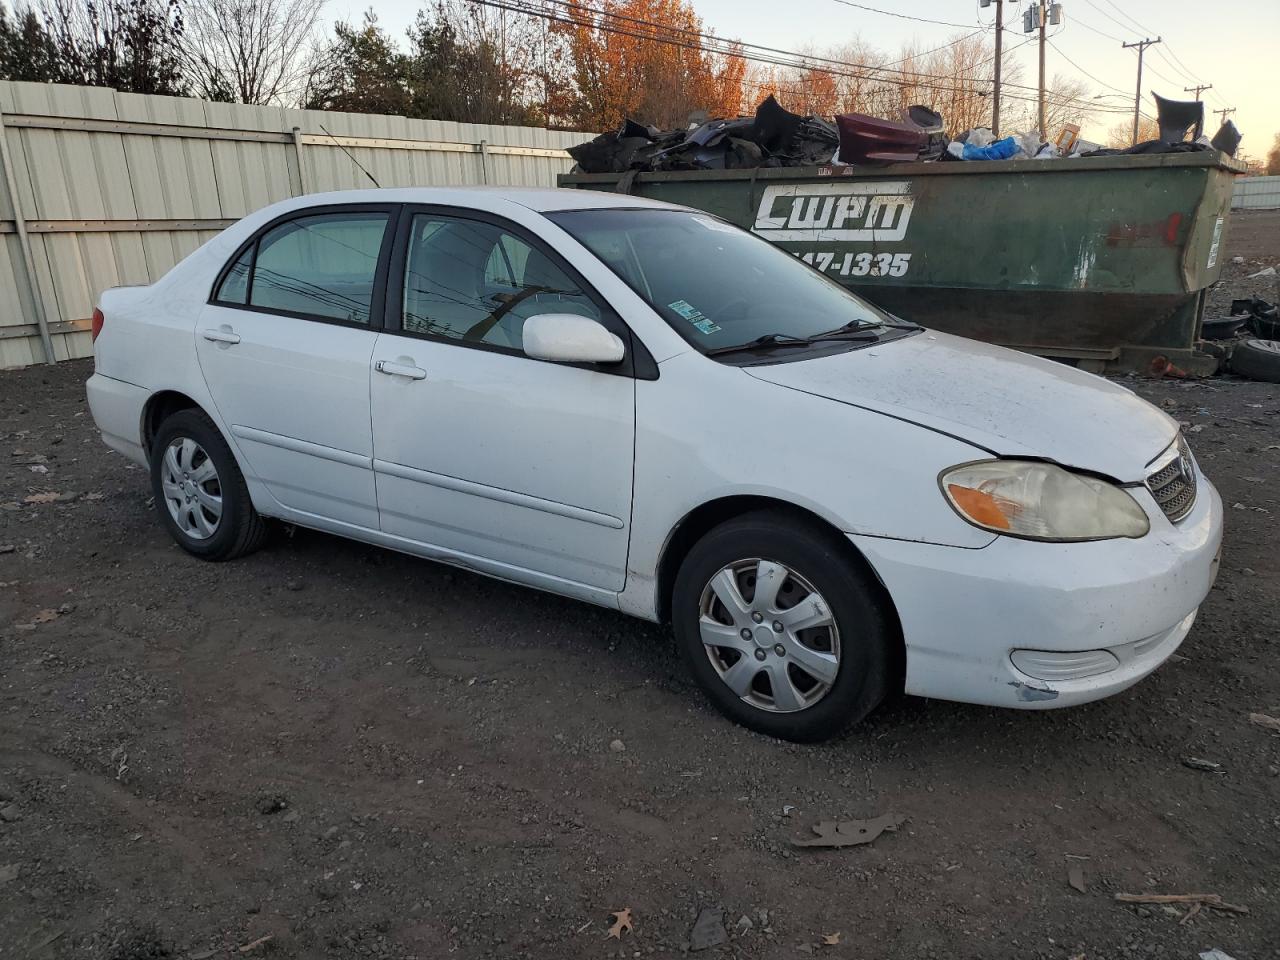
[1010, 403]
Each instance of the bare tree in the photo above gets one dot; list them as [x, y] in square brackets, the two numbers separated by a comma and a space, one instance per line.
[250, 51]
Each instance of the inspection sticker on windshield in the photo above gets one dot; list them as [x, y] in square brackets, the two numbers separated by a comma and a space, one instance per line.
[694, 316]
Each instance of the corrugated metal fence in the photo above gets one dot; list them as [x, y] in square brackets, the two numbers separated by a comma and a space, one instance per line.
[100, 189]
[1256, 193]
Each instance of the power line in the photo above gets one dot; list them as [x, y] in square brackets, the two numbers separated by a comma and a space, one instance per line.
[666, 34]
[902, 16]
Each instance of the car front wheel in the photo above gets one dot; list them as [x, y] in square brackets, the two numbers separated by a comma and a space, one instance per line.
[782, 628]
[200, 493]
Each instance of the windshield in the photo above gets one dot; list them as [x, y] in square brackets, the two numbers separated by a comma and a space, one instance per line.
[716, 285]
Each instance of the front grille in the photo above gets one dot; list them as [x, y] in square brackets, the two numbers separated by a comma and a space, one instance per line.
[1174, 484]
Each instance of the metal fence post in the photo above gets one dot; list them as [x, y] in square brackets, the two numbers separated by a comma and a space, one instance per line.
[24, 241]
[484, 161]
[297, 154]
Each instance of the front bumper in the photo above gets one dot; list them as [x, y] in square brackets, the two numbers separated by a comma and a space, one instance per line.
[1112, 610]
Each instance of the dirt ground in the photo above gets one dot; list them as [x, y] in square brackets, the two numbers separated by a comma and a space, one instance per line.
[359, 754]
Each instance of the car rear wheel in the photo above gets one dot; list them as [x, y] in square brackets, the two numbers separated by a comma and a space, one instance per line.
[200, 493]
[782, 628]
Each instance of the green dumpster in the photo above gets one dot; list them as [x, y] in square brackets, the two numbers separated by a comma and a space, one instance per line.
[1101, 260]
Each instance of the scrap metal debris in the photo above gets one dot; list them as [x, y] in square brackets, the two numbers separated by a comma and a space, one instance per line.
[1211, 900]
[850, 833]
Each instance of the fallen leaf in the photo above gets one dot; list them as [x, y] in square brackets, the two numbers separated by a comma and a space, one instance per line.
[41, 498]
[1262, 720]
[621, 923]
[45, 616]
[831, 939]
[849, 833]
[95, 496]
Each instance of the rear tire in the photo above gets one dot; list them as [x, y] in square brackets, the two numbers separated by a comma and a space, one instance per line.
[805, 684]
[200, 493]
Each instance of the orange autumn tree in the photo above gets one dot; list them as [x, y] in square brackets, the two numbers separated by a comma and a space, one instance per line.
[644, 59]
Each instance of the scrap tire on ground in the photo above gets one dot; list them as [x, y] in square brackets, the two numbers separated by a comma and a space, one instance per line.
[1257, 360]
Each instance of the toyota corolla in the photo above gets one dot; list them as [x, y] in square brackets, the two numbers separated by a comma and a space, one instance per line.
[643, 407]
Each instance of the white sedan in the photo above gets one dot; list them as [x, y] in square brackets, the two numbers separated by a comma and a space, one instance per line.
[644, 407]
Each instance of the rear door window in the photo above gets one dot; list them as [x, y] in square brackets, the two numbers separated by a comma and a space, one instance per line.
[322, 266]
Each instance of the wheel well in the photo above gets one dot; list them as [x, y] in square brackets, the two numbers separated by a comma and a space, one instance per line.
[700, 521]
[158, 409]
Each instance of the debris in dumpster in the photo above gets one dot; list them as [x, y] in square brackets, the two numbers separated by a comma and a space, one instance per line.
[1257, 360]
[1227, 139]
[1211, 900]
[850, 833]
[708, 930]
[1207, 766]
[621, 923]
[776, 137]
[870, 140]
[1004, 149]
[1264, 721]
[1175, 117]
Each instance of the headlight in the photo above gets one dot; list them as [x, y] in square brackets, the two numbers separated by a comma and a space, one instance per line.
[1023, 498]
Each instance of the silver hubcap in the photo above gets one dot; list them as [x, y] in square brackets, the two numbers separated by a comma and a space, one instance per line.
[770, 635]
[192, 491]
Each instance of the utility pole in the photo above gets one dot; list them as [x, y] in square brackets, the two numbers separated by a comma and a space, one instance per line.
[1225, 112]
[1141, 45]
[995, 99]
[1198, 89]
[1043, 19]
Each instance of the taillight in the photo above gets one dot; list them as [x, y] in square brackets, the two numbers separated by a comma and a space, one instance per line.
[98, 320]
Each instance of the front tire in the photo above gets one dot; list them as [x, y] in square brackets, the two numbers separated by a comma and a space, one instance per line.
[784, 631]
[200, 493]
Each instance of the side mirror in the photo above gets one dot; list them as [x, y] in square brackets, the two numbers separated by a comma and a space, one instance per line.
[570, 338]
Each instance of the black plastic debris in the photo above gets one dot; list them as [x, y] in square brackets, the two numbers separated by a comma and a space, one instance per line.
[1227, 139]
[1176, 117]
[930, 121]
[774, 137]
[1262, 318]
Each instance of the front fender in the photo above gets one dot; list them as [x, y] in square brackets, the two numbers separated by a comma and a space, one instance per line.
[706, 431]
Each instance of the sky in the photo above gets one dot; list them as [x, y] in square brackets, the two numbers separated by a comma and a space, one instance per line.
[1235, 48]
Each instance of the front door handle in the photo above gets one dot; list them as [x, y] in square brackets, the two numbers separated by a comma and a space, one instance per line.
[223, 334]
[393, 369]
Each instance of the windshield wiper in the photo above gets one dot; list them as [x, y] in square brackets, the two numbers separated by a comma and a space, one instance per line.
[768, 340]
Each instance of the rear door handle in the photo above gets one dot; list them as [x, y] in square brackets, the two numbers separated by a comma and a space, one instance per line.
[221, 335]
[392, 369]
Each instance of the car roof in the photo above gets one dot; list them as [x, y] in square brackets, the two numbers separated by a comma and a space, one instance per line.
[494, 198]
